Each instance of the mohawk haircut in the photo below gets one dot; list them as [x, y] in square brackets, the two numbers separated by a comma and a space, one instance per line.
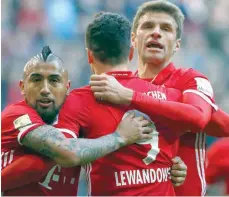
[46, 55]
[108, 37]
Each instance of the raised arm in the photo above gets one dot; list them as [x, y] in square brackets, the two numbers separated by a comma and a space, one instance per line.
[192, 110]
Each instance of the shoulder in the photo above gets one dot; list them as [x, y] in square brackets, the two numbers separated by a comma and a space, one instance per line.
[188, 73]
[187, 79]
[78, 101]
[17, 108]
[18, 112]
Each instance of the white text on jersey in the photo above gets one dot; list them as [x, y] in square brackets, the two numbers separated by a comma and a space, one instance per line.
[142, 176]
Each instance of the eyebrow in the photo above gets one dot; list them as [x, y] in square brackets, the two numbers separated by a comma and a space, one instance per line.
[35, 75]
[55, 76]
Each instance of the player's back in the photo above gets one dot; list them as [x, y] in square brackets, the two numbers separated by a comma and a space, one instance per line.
[138, 169]
[58, 181]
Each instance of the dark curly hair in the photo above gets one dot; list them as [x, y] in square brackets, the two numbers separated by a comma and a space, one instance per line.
[108, 37]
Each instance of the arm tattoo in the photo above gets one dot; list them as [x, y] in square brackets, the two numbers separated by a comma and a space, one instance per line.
[50, 142]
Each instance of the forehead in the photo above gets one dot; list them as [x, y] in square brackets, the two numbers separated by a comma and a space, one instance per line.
[158, 18]
[45, 69]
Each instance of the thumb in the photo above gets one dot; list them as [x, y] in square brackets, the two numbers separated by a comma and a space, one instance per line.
[130, 115]
[176, 160]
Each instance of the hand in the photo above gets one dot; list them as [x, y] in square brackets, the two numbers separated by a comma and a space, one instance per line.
[107, 88]
[133, 129]
[178, 171]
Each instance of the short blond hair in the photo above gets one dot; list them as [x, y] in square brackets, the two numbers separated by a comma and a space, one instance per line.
[160, 6]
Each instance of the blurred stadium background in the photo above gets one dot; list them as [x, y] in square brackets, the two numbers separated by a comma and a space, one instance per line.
[28, 25]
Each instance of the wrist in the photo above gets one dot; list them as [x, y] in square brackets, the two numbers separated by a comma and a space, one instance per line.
[120, 140]
[127, 95]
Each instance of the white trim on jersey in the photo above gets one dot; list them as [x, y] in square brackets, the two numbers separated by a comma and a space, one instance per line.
[88, 168]
[203, 96]
[199, 150]
[67, 131]
[22, 130]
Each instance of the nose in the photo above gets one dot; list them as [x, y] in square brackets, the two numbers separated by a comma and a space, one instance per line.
[45, 90]
[156, 33]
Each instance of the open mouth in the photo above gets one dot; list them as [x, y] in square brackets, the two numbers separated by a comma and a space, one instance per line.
[45, 102]
[154, 45]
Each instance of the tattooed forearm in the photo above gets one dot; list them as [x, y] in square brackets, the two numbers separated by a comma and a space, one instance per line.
[50, 142]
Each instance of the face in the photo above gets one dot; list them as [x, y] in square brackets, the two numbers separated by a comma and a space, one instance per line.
[155, 38]
[45, 88]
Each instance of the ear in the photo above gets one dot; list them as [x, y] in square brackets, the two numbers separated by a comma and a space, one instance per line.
[68, 86]
[22, 87]
[133, 40]
[177, 46]
[131, 54]
[89, 56]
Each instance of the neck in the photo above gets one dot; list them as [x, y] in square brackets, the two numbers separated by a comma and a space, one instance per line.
[101, 68]
[150, 70]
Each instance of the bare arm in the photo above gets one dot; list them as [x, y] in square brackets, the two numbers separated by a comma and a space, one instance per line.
[69, 152]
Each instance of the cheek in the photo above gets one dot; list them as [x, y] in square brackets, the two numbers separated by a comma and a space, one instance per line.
[60, 95]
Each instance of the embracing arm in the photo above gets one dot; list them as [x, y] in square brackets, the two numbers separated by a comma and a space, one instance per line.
[193, 111]
[69, 152]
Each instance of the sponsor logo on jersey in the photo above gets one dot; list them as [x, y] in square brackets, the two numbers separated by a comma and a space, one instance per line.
[204, 86]
[142, 176]
[157, 95]
[22, 121]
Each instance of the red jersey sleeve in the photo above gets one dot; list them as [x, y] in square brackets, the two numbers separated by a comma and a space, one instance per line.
[217, 161]
[74, 114]
[218, 125]
[17, 120]
[195, 82]
[18, 174]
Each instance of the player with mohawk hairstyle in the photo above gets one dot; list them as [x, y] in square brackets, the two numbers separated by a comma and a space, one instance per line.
[45, 86]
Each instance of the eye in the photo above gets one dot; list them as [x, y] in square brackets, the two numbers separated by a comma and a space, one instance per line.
[37, 79]
[54, 80]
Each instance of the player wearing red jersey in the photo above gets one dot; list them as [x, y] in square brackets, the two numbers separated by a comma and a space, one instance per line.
[45, 86]
[80, 110]
[218, 164]
[157, 30]
[139, 169]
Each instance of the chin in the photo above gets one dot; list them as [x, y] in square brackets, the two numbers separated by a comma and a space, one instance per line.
[48, 116]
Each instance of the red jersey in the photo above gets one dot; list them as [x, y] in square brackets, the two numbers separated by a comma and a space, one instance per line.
[17, 120]
[192, 145]
[138, 169]
[218, 163]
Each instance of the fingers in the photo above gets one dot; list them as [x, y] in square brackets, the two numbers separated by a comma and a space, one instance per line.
[176, 160]
[98, 77]
[179, 166]
[130, 115]
[98, 89]
[147, 130]
[177, 181]
[139, 118]
[146, 137]
[176, 184]
[178, 173]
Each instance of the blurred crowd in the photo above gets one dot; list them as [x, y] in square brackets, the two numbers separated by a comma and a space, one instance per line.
[28, 25]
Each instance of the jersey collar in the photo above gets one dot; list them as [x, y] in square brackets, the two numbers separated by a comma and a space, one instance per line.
[121, 74]
[162, 76]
